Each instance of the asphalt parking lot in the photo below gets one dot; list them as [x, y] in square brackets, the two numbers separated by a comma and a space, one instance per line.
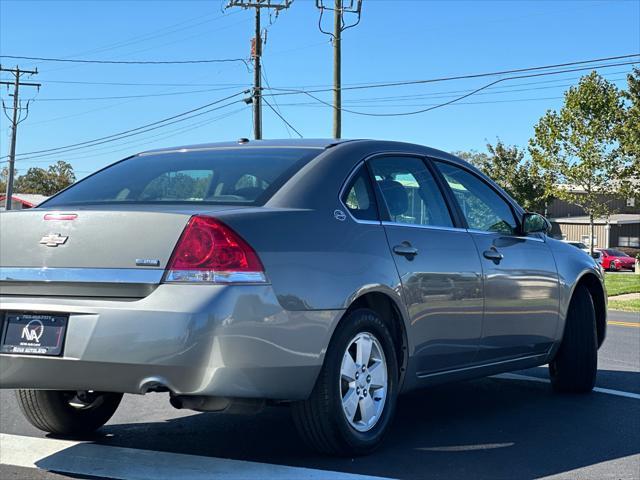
[493, 428]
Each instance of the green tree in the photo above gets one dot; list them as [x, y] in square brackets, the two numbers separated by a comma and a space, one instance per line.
[518, 176]
[46, 182]
[578, 146]
[4, 173]
[630, 132]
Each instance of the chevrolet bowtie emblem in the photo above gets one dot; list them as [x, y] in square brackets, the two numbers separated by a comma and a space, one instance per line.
[53, 240]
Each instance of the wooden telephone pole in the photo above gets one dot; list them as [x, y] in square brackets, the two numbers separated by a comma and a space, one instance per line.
[256, 53]
[15, 120]
[340, 7]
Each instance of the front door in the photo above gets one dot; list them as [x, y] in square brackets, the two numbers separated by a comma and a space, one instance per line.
[520, 277]
[437, 262]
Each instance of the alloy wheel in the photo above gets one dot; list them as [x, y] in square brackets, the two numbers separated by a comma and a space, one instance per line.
[363, 382]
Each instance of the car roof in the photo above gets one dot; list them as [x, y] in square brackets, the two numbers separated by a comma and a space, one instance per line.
[321, 143]
[318, 143]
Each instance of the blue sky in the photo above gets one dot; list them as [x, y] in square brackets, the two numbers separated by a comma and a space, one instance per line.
[396, 40]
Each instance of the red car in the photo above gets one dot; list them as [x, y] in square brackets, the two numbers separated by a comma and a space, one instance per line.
[616, 260]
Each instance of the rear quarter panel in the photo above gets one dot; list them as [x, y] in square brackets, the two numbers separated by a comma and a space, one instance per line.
[316, 262]
[313, 260]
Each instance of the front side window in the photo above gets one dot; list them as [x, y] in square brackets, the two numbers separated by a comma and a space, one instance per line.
[242, 176]
[482, 207]
[359, 198]
[410, 192]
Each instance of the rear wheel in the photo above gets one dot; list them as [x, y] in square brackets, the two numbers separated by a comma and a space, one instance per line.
[574, 368]
[67, 412]
[352, 404]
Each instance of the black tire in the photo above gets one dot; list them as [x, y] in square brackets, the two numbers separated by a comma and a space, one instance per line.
[50, 411]
[320, 419]
[574, 368]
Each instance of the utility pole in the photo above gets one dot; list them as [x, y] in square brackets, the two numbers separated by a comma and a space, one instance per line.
[340, 7]
[15, 121]
[257, 80]
[337, 69]
[256, 53]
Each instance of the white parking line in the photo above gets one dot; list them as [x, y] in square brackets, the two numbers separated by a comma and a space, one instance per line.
[83, 458]
[608, 391]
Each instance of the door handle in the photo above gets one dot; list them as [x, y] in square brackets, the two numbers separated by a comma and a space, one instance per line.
[406, 250]
[493, 254]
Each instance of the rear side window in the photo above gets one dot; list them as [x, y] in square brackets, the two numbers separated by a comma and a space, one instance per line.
[410, 191]
[359, 198]
[243, 176]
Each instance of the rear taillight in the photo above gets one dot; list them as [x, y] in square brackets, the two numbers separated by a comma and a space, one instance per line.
[209, 251]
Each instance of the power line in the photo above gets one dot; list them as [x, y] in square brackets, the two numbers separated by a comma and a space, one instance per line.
[60, 152]
[506, 89]
[105, 150]
[66, 147]
[130, 62]
[511, 88]
[357, 86]
[120, 97]
[135, 84]
[275, 100]
[449, 94]
[461, 97]
[484, 74]
[158, 33]
[439, 94]
[483, 102]
[282, 118]
[293, 92]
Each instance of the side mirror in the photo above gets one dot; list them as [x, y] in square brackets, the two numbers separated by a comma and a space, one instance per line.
[535, 223]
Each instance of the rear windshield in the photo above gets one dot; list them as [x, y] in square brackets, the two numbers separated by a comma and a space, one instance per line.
[235, 176]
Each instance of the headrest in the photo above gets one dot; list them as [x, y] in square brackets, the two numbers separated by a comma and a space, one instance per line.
[395, 195]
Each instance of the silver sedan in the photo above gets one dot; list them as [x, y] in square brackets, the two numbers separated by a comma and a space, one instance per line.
[328, 275]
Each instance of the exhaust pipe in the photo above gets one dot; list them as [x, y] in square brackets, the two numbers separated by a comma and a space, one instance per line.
[200, 403]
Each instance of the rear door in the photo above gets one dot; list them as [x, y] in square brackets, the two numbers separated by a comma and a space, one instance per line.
[520, 276]
[437, 262]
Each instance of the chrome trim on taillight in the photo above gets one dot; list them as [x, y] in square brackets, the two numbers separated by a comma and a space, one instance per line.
[209, 276]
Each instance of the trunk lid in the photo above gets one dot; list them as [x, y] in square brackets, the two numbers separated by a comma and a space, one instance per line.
[119, 252]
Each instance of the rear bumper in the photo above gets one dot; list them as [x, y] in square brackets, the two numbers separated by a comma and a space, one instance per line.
[230, 341]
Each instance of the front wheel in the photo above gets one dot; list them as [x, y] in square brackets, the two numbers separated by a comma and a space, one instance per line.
[352, 404]
[67, 413]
